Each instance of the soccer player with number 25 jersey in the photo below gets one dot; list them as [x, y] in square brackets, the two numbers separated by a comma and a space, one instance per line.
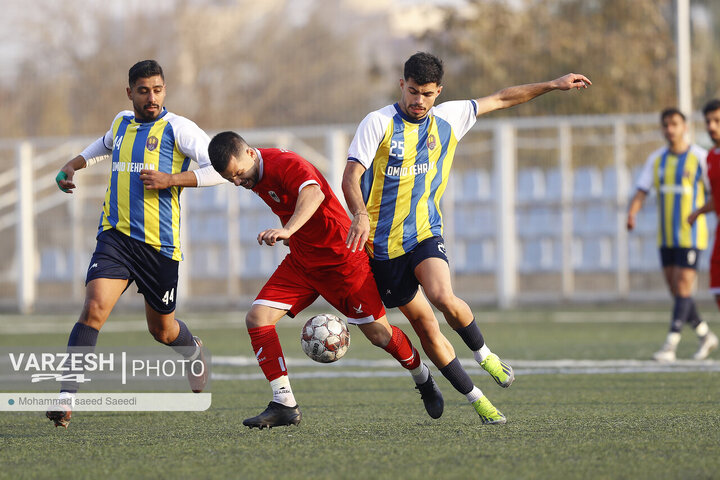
[397, 170]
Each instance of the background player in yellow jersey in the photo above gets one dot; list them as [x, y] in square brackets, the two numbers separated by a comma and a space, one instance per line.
[398, 166]
[139, 233]
[678, 174]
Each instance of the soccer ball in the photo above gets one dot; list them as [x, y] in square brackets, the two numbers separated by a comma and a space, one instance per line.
[325, 338]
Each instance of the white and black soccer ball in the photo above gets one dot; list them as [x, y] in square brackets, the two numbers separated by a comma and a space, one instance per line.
[325, 338]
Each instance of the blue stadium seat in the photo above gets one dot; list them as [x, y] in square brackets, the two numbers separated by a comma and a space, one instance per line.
[587, 183]
[530, 184]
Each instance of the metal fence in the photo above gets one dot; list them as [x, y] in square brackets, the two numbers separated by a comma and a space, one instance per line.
[534, 212]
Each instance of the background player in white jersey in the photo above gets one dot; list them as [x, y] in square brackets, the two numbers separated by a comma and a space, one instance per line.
[678, 174]
[398, 166]
[138, 237]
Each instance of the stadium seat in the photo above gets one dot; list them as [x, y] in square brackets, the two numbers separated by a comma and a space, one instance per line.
[587, 183]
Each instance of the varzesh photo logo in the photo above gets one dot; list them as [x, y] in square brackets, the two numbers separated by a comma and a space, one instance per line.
[122, 379]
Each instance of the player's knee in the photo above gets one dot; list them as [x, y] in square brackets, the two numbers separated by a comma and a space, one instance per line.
[444, 300]
[94, 313]
[252, 320]
[378, 337]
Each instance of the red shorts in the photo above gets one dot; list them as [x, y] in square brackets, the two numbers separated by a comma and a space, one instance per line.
[715, 267]
[349, 287]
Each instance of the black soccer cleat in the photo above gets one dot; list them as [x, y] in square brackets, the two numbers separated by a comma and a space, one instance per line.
[275, 415]
[60, 415]
[431, 397]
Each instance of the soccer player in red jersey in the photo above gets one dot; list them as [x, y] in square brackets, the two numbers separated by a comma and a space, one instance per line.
[315, 225]
[711, 111]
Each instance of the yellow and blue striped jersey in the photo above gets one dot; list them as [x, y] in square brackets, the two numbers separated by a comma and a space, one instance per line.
[166, 144]
[680, 182]
[408, 164]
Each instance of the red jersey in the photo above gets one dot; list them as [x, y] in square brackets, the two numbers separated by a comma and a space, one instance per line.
[320, 242]
[713, 172]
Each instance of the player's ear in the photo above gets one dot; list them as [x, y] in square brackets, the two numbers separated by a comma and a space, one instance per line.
[129, 92]
[439, 90]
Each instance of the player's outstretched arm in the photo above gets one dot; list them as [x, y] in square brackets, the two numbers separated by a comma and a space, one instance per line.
[635, 205]
[510, 96]
[707, 208]
[309, 200]
[360, 227]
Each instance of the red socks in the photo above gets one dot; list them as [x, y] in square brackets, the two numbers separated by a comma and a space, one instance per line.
[266, 345]
[402, 350]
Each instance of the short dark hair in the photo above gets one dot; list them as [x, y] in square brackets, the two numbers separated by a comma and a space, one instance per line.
[424, 68]
[144, 69]
[222, 147]
[669, 112]
[711, 106]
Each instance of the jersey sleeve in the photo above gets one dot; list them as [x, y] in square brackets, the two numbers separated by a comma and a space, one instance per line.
[702, 154]
[645, 180]
[101, 148]
[367, 138]
[460, 114]
[298, 175]
[192, 141]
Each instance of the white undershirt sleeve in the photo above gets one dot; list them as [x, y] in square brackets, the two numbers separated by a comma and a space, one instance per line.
[193, 142]
[96, 152]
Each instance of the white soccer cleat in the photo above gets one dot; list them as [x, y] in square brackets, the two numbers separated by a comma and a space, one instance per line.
[708, 343]
[666, 354]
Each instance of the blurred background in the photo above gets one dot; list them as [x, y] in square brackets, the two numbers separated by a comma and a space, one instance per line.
[535, 209]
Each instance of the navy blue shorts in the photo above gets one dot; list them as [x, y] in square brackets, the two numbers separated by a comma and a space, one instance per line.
[679, 257]
[119, 256]
[395, 278]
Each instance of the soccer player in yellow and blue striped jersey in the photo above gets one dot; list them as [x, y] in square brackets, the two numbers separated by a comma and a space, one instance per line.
[138, 237]
[678, 173]
[398, 167]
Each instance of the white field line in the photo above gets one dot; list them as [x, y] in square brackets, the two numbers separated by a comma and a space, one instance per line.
[380, 368]
[48, 324]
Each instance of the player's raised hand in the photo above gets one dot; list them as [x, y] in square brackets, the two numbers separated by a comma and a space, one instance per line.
[571, 80]
[155, 180]
[359, 231]
[272, 235]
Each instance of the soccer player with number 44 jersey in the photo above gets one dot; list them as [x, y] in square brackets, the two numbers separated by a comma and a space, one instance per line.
[397, 170]
[138, 238]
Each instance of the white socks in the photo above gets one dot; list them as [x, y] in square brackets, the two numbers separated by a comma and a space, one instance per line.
[282, 393]
[702, 329]
[420, 374]
[481, 355]
[67, 396]
[474, 395]
[673, 338]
